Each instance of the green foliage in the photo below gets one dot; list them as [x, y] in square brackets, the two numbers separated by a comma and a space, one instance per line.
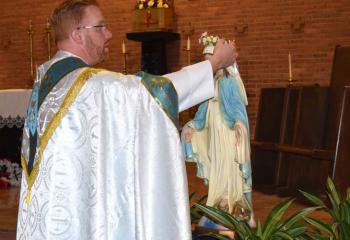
[195, 213]
[339, 211]
[296, 227]
[275, 227]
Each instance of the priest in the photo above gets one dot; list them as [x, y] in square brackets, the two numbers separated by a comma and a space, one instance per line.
[101, 152]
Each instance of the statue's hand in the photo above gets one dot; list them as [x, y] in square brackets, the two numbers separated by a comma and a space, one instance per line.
[188, 135]
[238, 134]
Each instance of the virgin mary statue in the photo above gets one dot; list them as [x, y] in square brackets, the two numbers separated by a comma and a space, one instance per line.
[217, 140]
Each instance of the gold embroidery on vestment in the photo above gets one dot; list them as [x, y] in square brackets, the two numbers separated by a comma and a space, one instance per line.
[55, 121]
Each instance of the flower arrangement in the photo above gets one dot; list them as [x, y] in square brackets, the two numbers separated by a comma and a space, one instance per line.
[143, 4]
[208, 40]
[10, 174]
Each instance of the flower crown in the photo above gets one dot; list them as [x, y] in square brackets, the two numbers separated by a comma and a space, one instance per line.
[208, 42]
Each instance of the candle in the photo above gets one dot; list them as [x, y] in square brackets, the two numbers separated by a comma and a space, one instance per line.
[123, 47]
[188, 43]
[47, 23]
[290, 67]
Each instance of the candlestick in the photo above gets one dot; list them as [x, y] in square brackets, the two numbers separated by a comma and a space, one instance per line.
[124, 64]
[188, 42]
[48, 35]
[30, 33]
[290, 67]
[123, 47]
[124, 57]
[188, 50]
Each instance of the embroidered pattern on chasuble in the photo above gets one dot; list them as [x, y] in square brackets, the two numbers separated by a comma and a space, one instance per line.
[164, 93]
[31, 169]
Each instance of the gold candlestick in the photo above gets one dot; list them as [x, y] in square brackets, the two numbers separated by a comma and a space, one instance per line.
[124, 57]
[290, 78]
[124, 64]
[188, 31]
[30, 33]
[48, 35]
[188, 50]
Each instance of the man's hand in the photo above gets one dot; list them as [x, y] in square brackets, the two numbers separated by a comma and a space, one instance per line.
[225, 55]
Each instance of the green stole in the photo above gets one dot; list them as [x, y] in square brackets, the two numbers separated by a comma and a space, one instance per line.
[163, 91]
[53, 75]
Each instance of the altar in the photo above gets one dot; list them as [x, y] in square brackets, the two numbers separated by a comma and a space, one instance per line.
[13, 110]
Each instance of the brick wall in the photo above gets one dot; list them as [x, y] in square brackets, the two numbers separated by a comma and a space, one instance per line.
[265, 31]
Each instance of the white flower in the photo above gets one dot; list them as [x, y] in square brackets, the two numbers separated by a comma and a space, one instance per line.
[150, 3]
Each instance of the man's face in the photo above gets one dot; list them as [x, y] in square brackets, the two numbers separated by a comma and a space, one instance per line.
[95, 35]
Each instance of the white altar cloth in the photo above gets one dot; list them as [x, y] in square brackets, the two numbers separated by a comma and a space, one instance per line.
[13, 106]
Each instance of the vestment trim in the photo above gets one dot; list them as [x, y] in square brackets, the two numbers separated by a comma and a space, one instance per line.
[55, 121]
[164, 93]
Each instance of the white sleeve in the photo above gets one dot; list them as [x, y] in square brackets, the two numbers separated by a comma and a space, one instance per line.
[194, 84]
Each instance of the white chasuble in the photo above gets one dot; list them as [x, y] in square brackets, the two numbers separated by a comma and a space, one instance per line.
[109, 164]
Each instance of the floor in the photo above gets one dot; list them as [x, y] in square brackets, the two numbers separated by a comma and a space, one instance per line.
[262, 202]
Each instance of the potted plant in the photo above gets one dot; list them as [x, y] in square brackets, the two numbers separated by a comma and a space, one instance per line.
[274, 227]
[339, 211]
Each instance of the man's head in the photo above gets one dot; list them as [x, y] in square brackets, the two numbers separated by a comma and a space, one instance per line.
[79, 27]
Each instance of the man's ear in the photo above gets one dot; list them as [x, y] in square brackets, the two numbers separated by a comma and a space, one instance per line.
[76, 36]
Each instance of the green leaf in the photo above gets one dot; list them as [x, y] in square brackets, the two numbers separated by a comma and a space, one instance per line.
[259, 229]
[344, 231]
[332, 189]
[334, 211]
[191, 195]
[195, 214]
[345, 212]
[313, 199]
[295, 232]
[215, 235]
[317, 236]
[248, 230]
[303, 237]
[335, 226]
[274, 217]
[348, 194]
[296, 216]
[282, 235]
[220, 216]
[202, 198]
[320, 225]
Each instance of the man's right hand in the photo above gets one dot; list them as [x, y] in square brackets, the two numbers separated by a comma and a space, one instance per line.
[225, 55]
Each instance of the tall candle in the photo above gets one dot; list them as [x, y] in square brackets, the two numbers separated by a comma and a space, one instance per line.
[123, 47]
[290, 67]
[188, 43]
